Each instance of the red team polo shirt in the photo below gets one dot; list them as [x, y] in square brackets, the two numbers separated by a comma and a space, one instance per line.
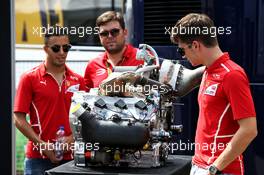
[99, 68]
[47, 103]
[224, 97]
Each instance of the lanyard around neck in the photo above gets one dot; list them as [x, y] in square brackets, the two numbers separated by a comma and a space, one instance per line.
[108, 68]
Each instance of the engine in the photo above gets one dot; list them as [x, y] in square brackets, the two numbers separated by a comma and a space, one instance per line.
[128, 120]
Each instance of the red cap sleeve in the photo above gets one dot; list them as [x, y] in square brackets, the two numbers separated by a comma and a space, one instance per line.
[236, 87]
[24, 95]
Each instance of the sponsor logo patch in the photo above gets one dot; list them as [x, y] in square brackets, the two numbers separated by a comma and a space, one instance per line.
[211, 90]
[100, 71]
[73, 88]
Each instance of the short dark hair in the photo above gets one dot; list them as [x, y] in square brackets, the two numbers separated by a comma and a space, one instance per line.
[183, 30]
[110, 16]
[55, 30]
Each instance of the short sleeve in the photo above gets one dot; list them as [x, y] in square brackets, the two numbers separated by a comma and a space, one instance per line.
[87, 77]
[24, 95]
[82, 84]
[236, 87]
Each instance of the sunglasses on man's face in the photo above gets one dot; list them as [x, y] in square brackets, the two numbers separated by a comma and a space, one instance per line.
[114, 32]
[181, 50]
[56, 48]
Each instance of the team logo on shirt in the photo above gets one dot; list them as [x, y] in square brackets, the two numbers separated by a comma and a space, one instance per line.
[211, 90]
[74, 78]
[100, 71]
[216, 76]
[43, 82]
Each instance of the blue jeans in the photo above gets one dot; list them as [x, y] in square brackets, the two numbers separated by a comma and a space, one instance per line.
[38, 166]
[200, 171]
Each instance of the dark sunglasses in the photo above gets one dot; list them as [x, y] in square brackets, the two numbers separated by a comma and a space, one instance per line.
[56, 48]
[114, 32]
[181, 50]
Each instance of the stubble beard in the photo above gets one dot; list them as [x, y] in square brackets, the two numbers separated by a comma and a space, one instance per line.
[117, 49]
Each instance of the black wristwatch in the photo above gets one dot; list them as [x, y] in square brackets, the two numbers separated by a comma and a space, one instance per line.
[213, 170]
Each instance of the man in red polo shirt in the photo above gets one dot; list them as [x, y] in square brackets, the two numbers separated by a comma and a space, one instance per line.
[227, 118]
[113, 38]
[45, 94]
